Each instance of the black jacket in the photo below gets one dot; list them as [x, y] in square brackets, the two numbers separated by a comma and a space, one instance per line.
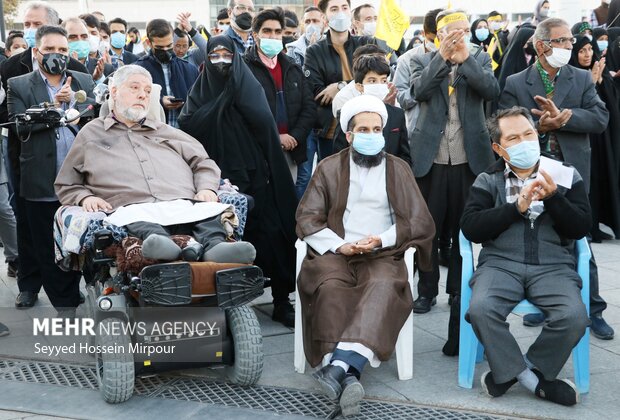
[37, 158]
[322, 67]
[300, 107]
[19, 65]
[394, 132]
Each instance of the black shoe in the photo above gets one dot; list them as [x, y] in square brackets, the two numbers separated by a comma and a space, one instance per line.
[25, 300]
[351, 396]
[444, 256]
[82, 298]
[559, 391]
[192, 252]
[423, 304]
[4, 330]
[330, 378]
[11, 269]
[601, 329]
[493, 389]
[534, 320]
[599, 236]
[284, 313]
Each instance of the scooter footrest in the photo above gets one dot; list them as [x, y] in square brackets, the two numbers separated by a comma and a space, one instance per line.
[166, 284]
[238, 286]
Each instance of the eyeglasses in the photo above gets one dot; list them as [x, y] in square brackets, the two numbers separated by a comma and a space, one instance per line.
[215, 56]
[562, 40]
[244, 9]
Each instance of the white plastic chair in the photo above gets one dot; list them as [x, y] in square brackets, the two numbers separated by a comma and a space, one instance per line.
[404, 344]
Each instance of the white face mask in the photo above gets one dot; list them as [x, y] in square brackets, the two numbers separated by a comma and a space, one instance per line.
[94, 42]
[369, 29]
[341, 22]
[559, 58]
[378, 90]
[430, 46]
[222, 27]
[495, 26]
[313, 30]
[104, 46]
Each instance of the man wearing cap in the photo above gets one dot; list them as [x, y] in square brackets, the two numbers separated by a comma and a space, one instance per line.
[450, 144]
[361, 211]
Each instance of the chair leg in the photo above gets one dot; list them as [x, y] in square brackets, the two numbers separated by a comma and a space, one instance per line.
[468, 353]
[581, 363]
[299, 356]
[404, 350]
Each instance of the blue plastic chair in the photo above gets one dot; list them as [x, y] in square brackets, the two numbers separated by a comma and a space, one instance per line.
[471, 350]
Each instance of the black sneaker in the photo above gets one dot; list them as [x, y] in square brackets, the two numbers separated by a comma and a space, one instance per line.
[192, 252]
[559, 391]
[534, 320]
[600, 328]
[284, 313]
[352, 395]
[330, 378]
[493, 389]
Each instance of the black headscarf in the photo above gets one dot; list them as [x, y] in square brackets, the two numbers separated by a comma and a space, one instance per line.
[613, 52]
[582, 41]
[613, 20]
[230, 116]
[474, 38]
[513, 60]
[599, 32]
[580, 27]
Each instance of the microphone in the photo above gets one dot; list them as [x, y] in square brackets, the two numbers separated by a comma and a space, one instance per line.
[73, 114]
[79, 96]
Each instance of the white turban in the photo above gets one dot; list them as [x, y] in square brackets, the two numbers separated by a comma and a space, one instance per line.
[359, 104]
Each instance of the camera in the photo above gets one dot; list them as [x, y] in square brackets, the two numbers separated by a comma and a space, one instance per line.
[41, 114]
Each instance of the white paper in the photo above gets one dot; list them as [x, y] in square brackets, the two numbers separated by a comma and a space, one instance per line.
[561, 175]
[166, 213]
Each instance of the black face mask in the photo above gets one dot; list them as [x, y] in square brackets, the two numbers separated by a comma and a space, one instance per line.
[164, 56]
[529, 49]
[54, 63]
[287, 40]
[244, 21]
[223, 68]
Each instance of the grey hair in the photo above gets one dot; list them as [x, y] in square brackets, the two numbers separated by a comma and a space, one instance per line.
[543, 30]
[53, 18]
[73, 19]
[493, 122]
[231, 4]
[123, 73]
[447, 12]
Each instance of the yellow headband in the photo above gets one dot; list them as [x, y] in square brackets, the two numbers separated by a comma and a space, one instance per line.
[495, 18]
[448, 19]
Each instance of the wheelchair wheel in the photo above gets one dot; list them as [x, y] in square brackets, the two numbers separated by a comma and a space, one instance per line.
[115, 370]
[93, 291]
[248, 345]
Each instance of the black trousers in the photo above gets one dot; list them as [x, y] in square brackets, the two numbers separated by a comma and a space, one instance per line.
[208, 232]
[445, 189]
[37, 266]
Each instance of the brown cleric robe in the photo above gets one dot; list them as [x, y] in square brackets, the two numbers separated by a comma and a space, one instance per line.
[364, 299]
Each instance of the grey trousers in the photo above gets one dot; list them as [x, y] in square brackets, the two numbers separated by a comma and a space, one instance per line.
[8, 231]
[498, 286]
[208, 232]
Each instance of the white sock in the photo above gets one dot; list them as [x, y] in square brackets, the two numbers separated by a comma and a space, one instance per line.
[528, 379]
[340, 363]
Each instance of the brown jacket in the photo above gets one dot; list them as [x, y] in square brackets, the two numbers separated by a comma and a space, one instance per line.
[337, 292]
[144, 164]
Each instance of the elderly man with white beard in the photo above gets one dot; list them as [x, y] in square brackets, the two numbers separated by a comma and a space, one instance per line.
[362, 210]
[127, 159]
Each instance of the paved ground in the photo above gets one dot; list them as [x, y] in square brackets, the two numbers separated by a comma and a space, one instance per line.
[434, 383]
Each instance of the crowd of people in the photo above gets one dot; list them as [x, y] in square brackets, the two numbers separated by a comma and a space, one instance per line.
[453, 131]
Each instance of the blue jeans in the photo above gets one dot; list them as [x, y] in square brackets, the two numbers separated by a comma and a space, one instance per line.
[304, 170]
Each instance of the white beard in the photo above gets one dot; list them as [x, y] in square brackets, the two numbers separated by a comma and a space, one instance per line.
[131, 114]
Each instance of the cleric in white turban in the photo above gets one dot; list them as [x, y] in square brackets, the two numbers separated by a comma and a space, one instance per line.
[361, 211]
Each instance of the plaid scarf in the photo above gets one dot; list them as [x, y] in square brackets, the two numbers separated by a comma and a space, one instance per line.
[514, 185]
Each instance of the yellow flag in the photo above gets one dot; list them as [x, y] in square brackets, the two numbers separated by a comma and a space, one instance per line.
[449, 5]
[392, 24]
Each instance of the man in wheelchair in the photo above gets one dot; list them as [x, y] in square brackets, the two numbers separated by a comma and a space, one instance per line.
[362, 210]
[129, 164]
[527, 226]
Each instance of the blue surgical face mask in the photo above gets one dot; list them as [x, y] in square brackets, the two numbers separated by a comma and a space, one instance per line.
[341, 22]
[368, 144]
[482, 34]
[29, 35]
[602, 45]
[270, 47]
[82, 48]
[524, 155]
[467, 38]
[117, 40]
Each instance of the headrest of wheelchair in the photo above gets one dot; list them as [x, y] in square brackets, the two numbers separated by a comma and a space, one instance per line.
[156, 112]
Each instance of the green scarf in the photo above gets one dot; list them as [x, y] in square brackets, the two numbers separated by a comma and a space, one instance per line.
[549, 87]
